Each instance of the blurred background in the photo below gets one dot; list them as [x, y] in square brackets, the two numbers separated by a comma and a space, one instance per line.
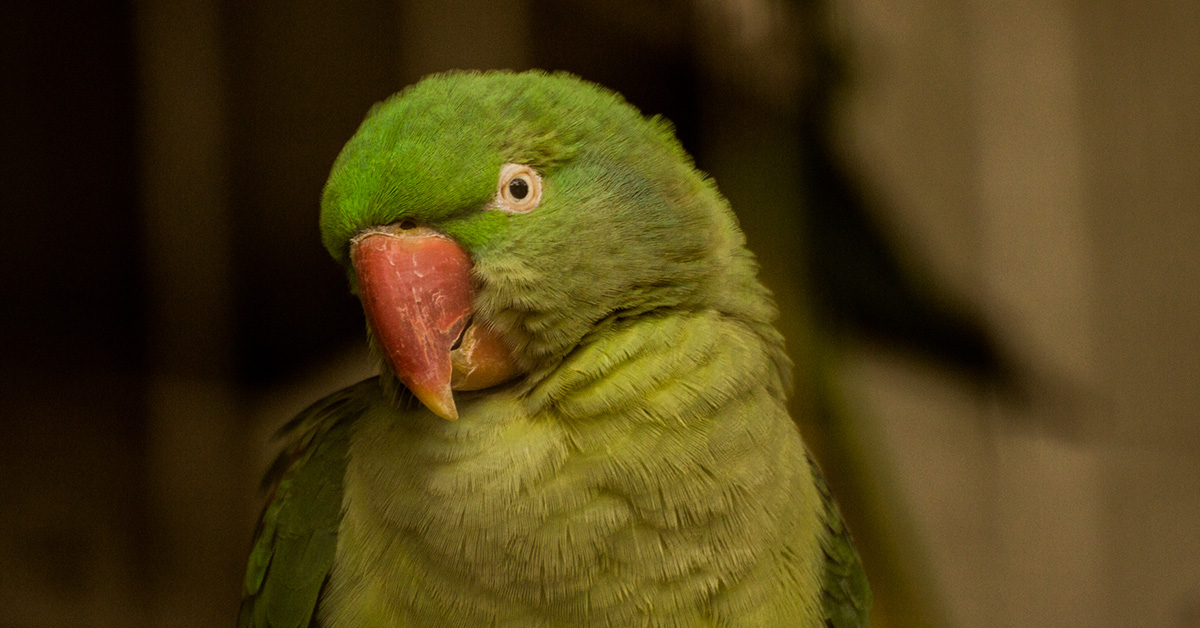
[981, 221]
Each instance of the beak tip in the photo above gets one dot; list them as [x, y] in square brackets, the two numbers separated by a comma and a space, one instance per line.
[449, 413]
[439, 402]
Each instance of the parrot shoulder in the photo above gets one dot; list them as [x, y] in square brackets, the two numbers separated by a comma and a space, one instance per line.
[296, 538]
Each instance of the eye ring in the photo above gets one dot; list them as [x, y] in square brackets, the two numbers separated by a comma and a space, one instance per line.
[519, 189]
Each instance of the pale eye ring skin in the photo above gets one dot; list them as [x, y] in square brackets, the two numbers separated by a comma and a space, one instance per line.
[519, 189]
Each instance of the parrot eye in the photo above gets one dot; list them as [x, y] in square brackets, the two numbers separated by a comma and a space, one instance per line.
[520, 189]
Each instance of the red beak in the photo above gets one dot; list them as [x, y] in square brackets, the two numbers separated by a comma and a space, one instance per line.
[415, 288]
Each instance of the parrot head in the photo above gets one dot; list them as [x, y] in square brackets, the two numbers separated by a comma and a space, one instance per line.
[489, 222]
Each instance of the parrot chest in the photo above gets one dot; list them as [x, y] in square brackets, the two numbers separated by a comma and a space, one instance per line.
[512, 519]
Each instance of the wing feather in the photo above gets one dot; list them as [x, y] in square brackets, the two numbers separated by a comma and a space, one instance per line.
[296, 538]
[846, 595]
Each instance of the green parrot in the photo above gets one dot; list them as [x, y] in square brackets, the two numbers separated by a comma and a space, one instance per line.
[580, 414]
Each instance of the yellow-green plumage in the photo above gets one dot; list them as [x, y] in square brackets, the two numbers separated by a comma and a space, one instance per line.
[643, 472]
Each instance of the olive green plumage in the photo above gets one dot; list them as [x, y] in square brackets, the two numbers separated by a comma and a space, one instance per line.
[643, 470]
[297, 534]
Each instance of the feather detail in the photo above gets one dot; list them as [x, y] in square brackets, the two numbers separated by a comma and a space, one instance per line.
[297, 532]
[651, 480]
[846, 595]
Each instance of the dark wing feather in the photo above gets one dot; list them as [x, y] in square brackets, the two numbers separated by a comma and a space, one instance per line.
[296, 538]
[846, 595]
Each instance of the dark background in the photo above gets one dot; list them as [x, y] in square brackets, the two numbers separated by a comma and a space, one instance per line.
[166, 301]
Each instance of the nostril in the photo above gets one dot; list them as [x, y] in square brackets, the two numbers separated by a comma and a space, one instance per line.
[407, 224]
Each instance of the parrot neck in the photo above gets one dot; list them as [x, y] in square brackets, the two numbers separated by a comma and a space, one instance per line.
[653, 459]
[669, 366]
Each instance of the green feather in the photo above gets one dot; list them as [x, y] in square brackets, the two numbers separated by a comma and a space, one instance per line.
[297, 533]
[846, 594]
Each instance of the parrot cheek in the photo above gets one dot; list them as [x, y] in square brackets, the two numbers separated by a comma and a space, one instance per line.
[415, 287]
